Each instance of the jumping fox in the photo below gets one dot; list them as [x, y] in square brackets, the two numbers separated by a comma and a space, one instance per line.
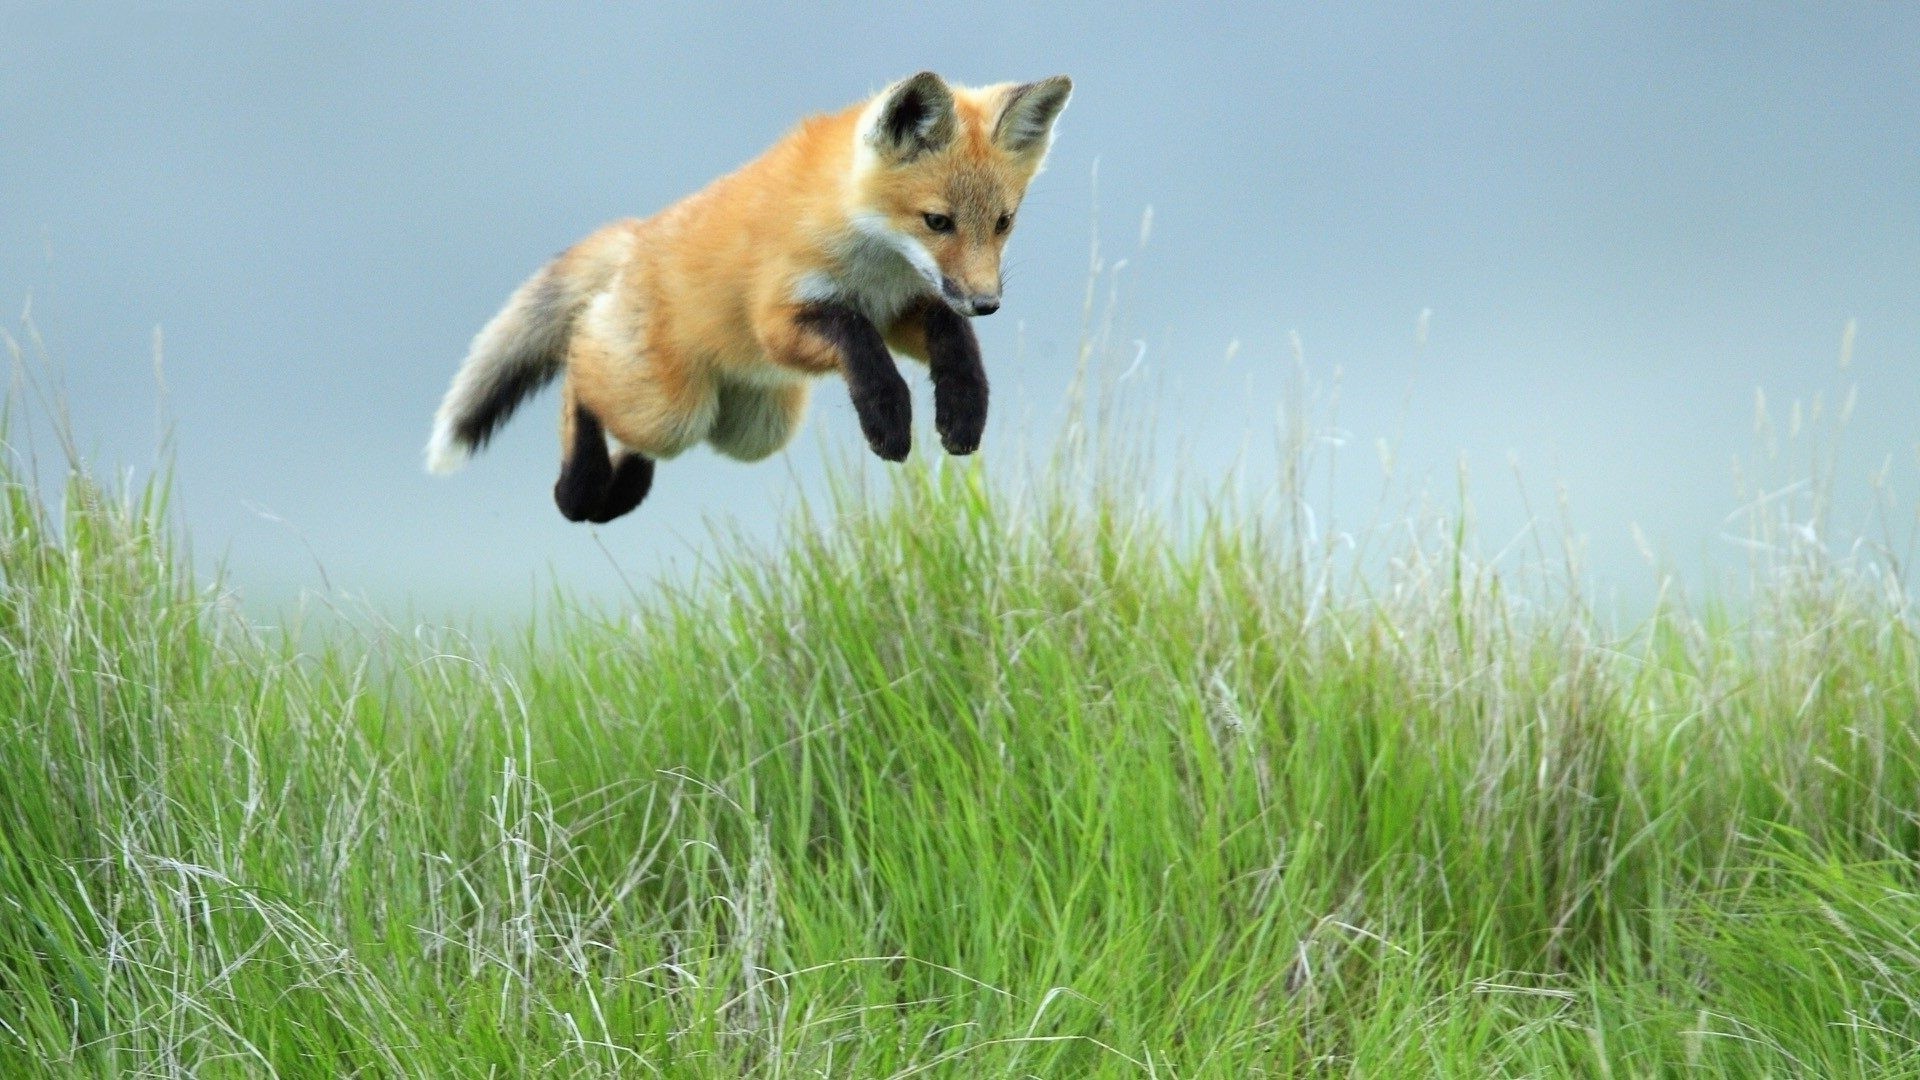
[876, 228]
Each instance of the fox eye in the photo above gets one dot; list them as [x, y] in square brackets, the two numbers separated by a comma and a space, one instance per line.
[1005, 223]
[939, 222]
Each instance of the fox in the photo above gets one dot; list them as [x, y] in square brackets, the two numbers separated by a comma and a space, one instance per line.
[860, 235]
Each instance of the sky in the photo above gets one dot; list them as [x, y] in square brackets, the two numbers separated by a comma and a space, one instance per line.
[1564, 245]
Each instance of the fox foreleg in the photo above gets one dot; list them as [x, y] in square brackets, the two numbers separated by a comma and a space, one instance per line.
[879, 394]
[959, 379]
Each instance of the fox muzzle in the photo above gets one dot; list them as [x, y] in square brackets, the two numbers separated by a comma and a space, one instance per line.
[968, 303]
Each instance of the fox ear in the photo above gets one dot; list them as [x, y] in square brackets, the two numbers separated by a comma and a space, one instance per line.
[910, 118]
[1026, 120]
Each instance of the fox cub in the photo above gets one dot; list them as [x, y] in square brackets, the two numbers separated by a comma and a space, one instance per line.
[872, 231]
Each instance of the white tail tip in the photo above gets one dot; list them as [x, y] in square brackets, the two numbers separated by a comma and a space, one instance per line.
[443, 454]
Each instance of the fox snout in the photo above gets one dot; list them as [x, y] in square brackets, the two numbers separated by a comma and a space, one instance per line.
[968, 301]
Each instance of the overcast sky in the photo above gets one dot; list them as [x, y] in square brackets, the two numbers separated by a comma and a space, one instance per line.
[1623, 218]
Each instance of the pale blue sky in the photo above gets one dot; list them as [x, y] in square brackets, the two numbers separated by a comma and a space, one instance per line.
[1624, 219]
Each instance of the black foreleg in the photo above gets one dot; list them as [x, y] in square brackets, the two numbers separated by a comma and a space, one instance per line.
[879, 394]
[959, 379]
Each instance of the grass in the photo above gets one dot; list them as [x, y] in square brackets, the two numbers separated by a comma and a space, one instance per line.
[966, 779]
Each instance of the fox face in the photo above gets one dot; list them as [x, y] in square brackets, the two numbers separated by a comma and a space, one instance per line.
[940, 172]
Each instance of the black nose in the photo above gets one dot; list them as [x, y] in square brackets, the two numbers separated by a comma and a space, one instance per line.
[986, 305]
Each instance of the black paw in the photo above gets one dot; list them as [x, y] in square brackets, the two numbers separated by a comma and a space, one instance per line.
[580, 491]
[886, 419]
[632, 479]
[960, 415]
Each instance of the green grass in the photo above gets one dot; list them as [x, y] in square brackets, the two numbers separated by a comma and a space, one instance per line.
[966, 779]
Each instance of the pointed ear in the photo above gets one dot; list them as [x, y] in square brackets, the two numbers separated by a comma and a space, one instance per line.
[1026, 120]
[912, 117]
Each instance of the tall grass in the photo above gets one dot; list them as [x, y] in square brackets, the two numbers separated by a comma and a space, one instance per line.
[965, 779]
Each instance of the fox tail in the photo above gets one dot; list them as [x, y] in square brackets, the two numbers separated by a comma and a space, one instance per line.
[519, 351]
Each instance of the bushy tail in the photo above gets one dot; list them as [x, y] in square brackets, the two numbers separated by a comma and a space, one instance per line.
[515, 354]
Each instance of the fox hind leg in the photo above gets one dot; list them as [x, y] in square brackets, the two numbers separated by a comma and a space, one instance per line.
[584, 465]
[595, 486]
[632, 479]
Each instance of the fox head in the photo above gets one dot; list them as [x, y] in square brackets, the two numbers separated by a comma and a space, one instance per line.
[940, 171]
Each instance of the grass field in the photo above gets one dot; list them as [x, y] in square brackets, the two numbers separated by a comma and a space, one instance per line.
[966, 779]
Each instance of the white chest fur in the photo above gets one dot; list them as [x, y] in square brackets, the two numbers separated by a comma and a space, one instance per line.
[878, 272]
